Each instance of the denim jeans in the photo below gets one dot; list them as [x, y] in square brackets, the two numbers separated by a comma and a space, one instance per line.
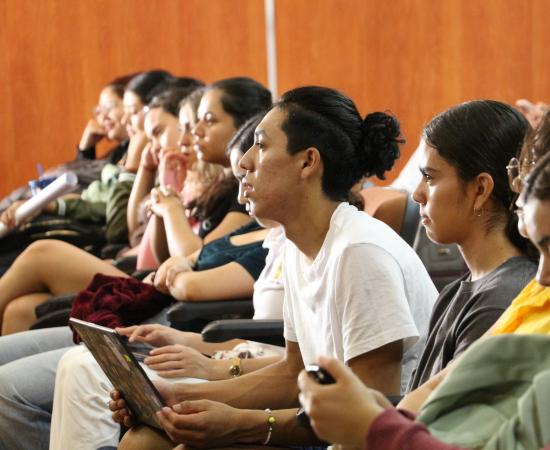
[28, 363]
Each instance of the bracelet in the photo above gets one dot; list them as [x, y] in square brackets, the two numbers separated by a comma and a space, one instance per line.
[270, 422]
[235, 369]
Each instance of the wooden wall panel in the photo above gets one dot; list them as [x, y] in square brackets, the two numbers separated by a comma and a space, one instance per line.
[416, 57]
[413, 57]
[56, 54]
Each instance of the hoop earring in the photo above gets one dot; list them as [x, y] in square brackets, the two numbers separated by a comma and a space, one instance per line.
[478, 212]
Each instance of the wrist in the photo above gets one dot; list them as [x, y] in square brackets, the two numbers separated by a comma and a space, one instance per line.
[253, 426]
[220, 369]
[148, 167]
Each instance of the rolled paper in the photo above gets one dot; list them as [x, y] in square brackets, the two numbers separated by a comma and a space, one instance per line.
[62, 185]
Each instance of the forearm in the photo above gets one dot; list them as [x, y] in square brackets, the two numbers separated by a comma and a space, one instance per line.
[157, 238]
[182, 241]
[135, 149]
[220, 369]
[273, 387]
[254, 429]
[143, 184]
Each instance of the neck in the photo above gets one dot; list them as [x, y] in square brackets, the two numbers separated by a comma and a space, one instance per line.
[484, 252]
[310, 224]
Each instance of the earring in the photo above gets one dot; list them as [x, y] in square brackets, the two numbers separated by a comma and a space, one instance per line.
[478, 212]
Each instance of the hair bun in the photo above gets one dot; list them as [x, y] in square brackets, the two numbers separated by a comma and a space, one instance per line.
[381, 140]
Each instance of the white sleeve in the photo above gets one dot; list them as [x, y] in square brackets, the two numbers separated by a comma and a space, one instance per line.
[289, 329]
[371, 304]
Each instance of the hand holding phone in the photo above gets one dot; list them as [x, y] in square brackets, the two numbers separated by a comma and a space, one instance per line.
[321, 376]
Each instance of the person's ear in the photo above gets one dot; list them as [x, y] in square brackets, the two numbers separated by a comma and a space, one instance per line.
[311, 162]
[483, 185]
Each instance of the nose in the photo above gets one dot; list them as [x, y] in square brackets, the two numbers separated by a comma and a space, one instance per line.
[419, 194]
[186, 138]
[198, 129]
[247, 160]
[543, 272]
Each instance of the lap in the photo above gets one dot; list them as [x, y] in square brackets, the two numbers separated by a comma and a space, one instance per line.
[28, 343]
[31, 379]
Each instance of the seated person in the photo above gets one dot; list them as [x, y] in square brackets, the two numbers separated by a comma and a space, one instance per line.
[141, 86]
[461, 164]
[234, 261]
[353, 288]
[106, 124]
[224, 107]
[365, 419]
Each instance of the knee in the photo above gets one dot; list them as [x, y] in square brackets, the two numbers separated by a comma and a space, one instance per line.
[18, 316]
[40, 248]
[143, 437]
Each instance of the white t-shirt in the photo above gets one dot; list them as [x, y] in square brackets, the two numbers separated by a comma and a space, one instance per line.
[268, 289]
[366, 288]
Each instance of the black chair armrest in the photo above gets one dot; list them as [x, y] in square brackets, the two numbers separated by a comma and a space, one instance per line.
[186, 311]
[54, 304]
[266, 331]
[57, 318]
[111, 250]
[127, 264]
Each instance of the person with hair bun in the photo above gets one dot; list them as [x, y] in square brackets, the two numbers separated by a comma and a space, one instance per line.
[353, 288]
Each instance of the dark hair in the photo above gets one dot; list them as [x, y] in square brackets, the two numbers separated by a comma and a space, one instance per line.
[193, 99]
[243, 138]
[482, 136]
[143, 85]
[169, 100]
[118, 84]
[242, 97]
[187, 83]
[351, 148]
[537, 183]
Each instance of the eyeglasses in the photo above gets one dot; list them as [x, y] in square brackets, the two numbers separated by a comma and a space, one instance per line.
[104, 109]
[517, 171]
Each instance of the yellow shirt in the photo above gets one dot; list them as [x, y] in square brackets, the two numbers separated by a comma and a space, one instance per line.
[529, 313]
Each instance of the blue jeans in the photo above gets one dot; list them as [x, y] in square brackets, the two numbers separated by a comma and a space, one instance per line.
[28, 362]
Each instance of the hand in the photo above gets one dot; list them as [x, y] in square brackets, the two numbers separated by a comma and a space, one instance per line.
[202, 423]
[162, 200]
[153, 334]
[532, 112]
[172, 170]
[121, 413]
[169, 269]
[8, 217]
[340, 413]
[149, 158]
[177, 360]
[92, 134]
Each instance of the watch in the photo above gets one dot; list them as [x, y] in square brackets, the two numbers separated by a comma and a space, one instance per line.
[235, 369]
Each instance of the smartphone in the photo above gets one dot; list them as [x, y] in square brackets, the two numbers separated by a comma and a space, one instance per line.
[321, 376]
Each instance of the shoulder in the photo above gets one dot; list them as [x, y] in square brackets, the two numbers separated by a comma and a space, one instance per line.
[511, 276]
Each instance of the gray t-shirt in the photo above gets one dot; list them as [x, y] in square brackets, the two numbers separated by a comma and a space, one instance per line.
[465, 310]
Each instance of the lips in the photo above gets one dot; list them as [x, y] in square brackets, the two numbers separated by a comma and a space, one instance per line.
[248, 189]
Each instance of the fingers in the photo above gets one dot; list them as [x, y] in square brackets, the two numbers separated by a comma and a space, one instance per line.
[126, 331]
[170, 349]
[335, 367]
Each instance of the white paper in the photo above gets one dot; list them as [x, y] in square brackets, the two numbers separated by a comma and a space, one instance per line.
[62, 185]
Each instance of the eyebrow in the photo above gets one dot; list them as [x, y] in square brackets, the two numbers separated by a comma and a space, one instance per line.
[426, 170]
[545, 240]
